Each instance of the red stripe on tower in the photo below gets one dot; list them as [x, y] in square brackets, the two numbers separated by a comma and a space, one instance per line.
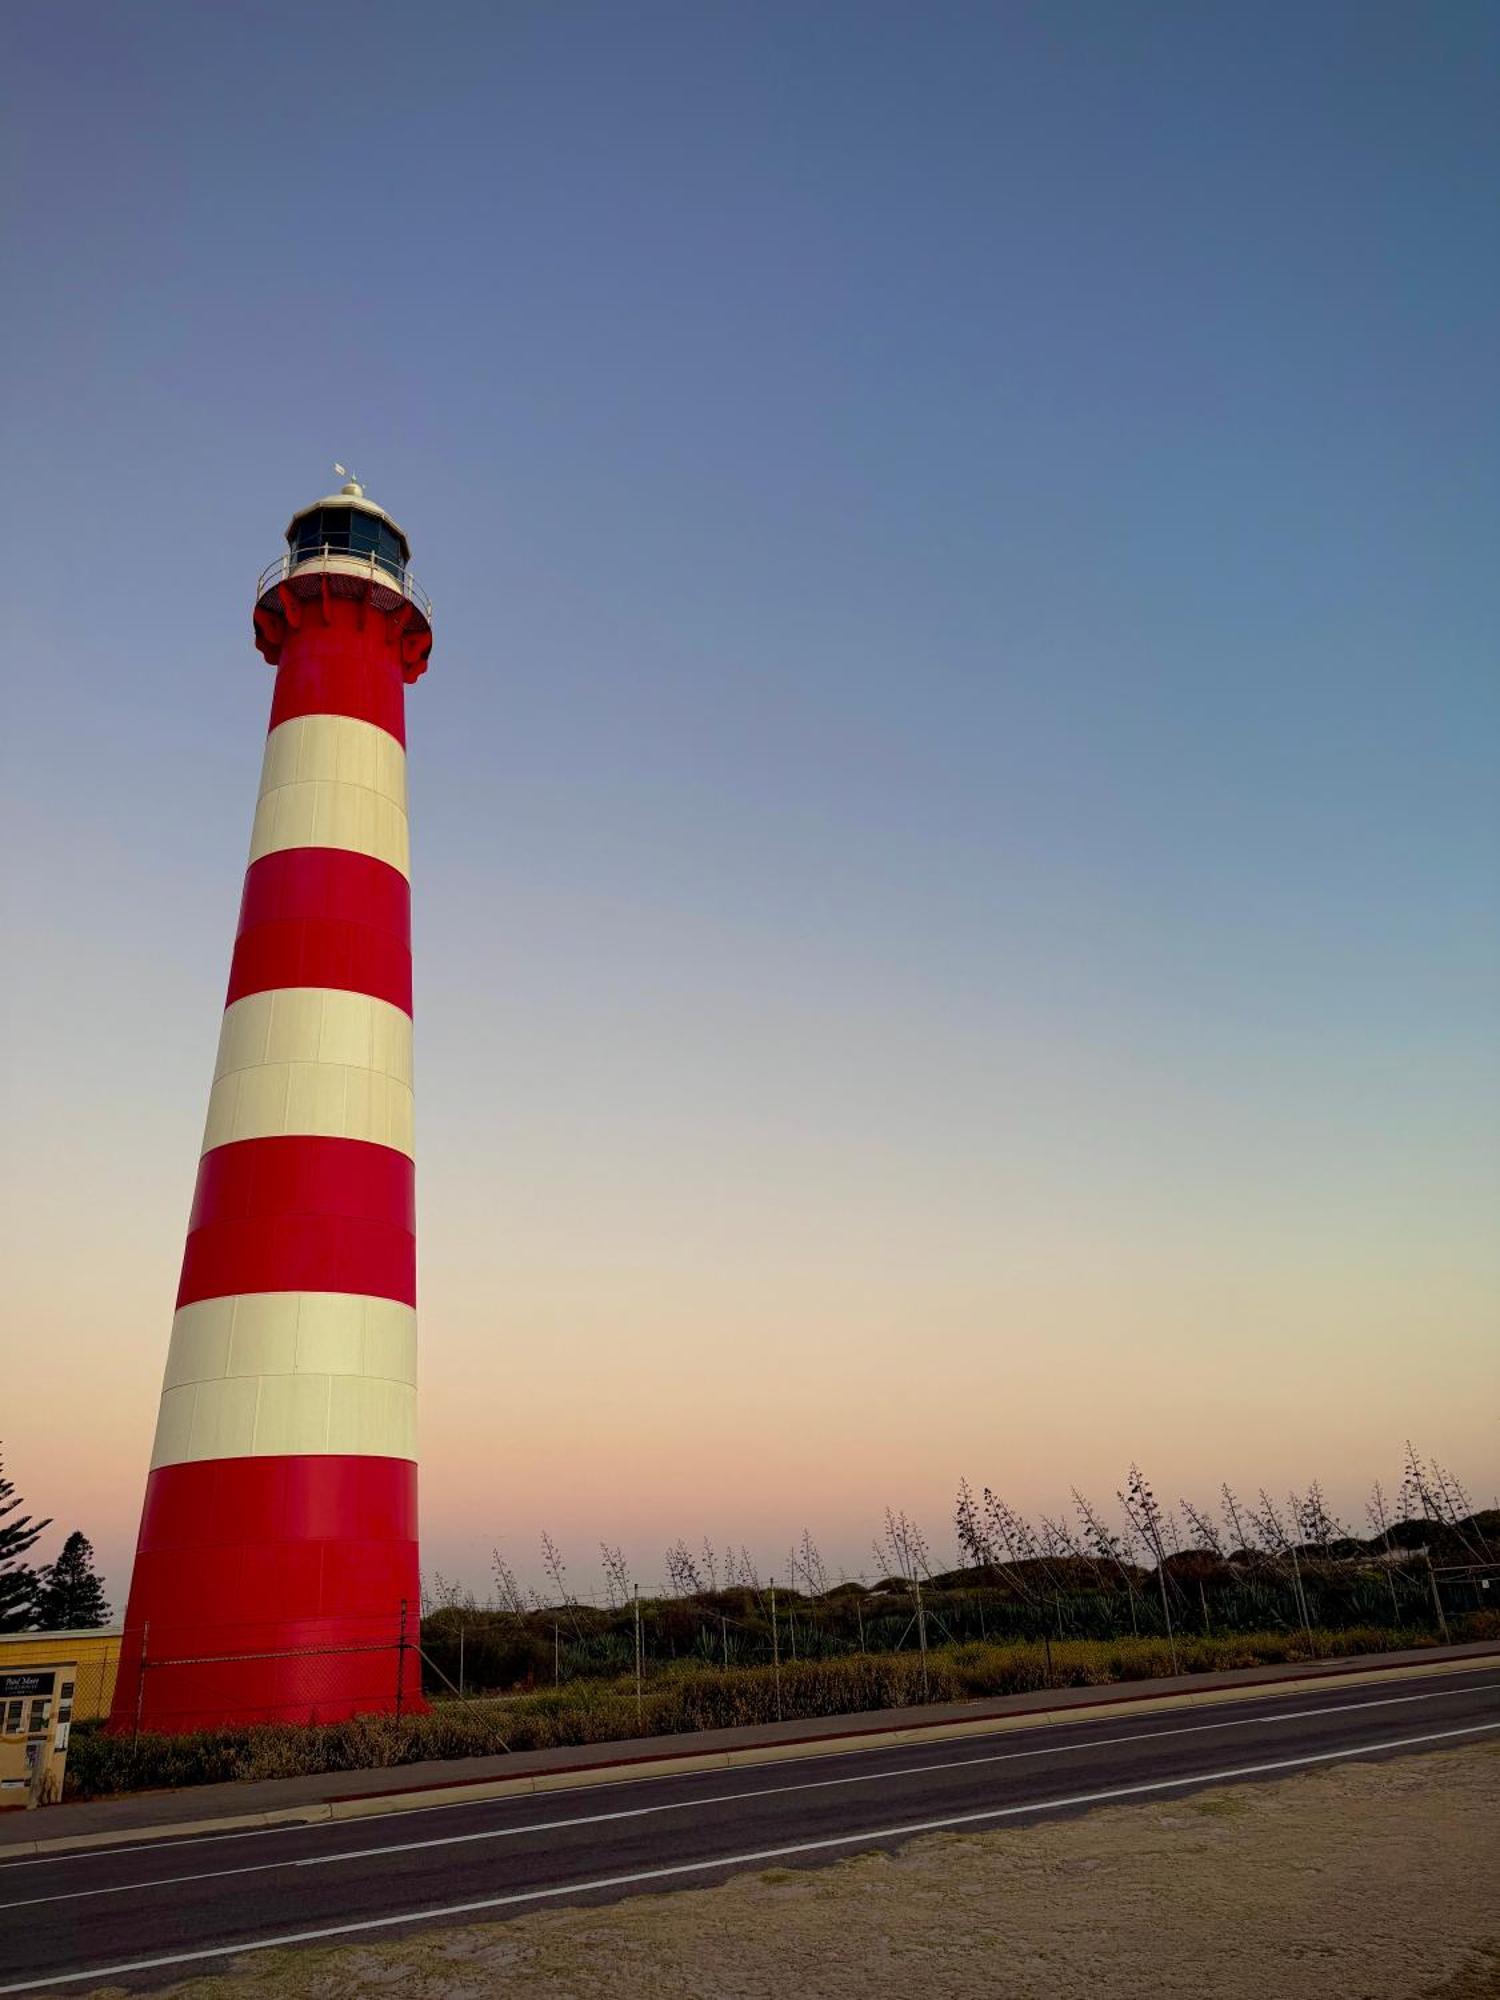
[320, 916]
[276, 1573]
[339, 677]
[302, 1214]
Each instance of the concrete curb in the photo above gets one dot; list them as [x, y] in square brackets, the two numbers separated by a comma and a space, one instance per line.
[622, 1771]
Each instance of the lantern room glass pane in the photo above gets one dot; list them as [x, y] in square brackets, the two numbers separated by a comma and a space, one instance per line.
[350, 531]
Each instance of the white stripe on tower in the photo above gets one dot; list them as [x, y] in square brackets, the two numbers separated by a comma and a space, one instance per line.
[315, 1060]
[267, 1373]
[333, 781]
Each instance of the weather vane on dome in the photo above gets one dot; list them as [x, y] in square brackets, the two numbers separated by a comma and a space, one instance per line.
[344, 473]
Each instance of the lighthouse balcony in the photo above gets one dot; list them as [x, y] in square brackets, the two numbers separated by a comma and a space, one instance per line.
[374, 567]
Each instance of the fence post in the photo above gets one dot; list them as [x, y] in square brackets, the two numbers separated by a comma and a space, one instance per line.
[640, 1719]
[1301, 1594]
[916, 1584]
[1437, 1600]
[401, 1662]
[140, 1679]
[775, 1650]
[460, 1659]
[1166, 1609]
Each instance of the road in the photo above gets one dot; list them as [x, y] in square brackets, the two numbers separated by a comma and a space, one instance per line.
[148, 1914]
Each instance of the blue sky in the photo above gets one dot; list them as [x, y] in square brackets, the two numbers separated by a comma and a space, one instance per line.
[961, 744]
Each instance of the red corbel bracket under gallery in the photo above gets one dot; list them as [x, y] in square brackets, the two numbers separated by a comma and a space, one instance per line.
[412, 648]
[272, 623]
[415, 646]
[270, 634]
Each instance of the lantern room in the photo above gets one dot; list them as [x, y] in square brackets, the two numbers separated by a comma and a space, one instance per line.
[347, 524]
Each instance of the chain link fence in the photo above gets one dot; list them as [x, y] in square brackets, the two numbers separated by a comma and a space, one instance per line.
[479, 1649]
[339, 1668]
[459, 1652]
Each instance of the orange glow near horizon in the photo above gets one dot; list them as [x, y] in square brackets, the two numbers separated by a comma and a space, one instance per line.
[738, 1379]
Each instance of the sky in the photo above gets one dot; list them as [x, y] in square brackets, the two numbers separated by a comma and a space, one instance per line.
[956, 845]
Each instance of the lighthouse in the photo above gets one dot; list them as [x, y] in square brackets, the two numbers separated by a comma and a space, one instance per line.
[275, 1575]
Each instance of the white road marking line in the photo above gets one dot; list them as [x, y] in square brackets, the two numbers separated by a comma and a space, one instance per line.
[360, 1926]
[165, 1845]
[821, 1784]
[718, 1798]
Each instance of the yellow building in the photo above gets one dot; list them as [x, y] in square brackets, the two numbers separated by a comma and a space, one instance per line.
[97, 1653]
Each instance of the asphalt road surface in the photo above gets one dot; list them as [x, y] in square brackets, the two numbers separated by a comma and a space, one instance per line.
[148, 1914]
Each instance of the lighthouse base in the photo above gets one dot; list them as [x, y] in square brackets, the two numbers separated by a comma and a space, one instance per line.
[272, 1590]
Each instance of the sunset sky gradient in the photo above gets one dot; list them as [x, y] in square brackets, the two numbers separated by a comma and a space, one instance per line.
[955, 808]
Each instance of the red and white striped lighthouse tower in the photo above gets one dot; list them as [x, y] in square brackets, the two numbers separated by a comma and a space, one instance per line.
[276, 1571]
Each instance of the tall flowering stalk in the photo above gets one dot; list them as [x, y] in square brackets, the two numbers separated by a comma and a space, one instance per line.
[1145, 1517]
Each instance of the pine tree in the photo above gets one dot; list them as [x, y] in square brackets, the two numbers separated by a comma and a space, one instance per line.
[17, 1579]
[70, 1597]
